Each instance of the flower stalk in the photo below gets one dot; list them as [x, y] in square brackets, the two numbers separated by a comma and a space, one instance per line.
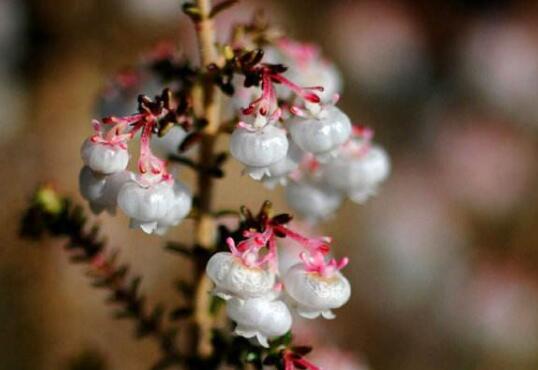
[205, 227]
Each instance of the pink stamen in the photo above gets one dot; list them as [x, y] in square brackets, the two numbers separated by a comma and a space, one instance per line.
[296, 111]
[267, 104]
[148, 161]
[304, 92]
[232, 246]
[313, 245]
[123, 130]
[250, 249]
[246, 126]
[316, 263]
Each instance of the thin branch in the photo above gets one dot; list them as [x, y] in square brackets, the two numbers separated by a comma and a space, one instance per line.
[209, 105]
[49, 214]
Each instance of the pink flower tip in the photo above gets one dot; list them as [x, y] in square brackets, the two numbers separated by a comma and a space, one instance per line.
[316, 263]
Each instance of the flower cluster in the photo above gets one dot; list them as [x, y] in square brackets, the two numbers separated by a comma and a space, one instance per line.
[289, 132]
[286, 129]
[296, 136]
[153, 199]
[261, 296]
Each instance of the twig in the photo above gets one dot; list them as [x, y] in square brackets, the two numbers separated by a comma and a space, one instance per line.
[64, 220]
[205, 224]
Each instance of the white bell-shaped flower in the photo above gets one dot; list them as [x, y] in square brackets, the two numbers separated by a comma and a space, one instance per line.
[104, 158]
[232, 277]
[261, 318]
[313, 201]
[358, 176]
[317, 289]
[101, 191]
[179, 208]
[155, 207]
[278, 173]
[258, 149]
[321, 133]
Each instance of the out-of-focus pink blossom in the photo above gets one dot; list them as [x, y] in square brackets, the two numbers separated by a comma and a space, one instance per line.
[487, 166]
[413, 242]
[500, 61]
[496, 309]
[381, 45]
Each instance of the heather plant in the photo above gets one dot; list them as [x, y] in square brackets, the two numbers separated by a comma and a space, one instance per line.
[276, 100]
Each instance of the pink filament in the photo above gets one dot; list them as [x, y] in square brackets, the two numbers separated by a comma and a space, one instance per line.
[123, 130]
[316, 263]
[249, 250]
[148, 161]
[319, 244]
[304, 92]
[267, 104]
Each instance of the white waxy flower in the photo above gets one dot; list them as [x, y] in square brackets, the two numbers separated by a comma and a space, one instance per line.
[104, 158]
[179, 208]
[358, 176]
[259, 149]
[314, 293]
[278, 172]
[155, 207]
[321, 133]
[261, 318]
[232, 277]
[311, 200]
[101, 191]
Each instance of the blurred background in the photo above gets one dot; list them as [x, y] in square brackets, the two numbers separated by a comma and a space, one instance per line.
[444, 260]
